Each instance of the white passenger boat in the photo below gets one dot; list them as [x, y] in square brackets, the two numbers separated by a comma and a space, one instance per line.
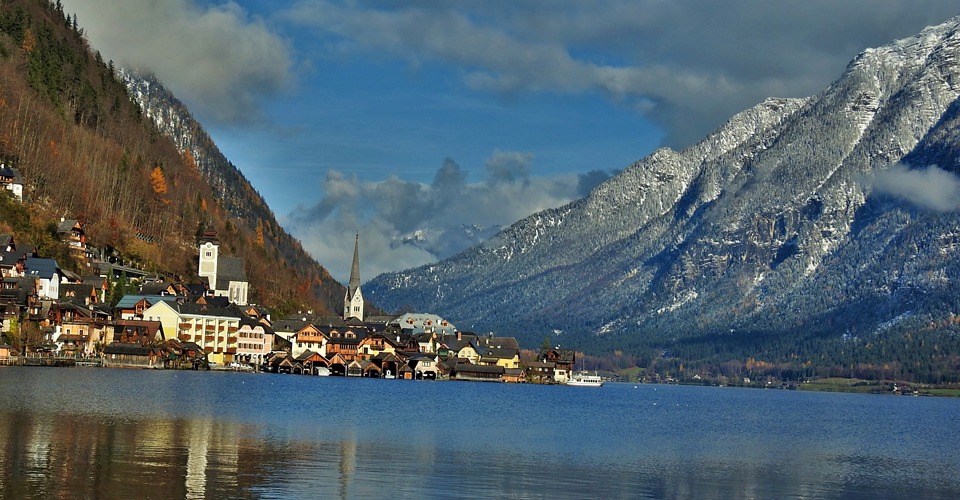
[584, 380]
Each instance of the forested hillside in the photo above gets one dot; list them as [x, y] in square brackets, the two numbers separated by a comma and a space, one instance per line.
[88, 151]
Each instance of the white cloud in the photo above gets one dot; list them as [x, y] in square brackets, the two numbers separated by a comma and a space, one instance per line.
[217, 58]
[384, 212]
[689, 65]
[931, 188]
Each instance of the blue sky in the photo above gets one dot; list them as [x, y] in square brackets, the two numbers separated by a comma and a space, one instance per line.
[403, 119]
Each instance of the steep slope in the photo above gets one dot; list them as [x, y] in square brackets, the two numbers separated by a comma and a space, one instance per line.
[86, 151]
[229, 186]
[765, 233]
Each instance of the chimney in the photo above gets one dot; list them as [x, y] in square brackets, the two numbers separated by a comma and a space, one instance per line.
[459, 336]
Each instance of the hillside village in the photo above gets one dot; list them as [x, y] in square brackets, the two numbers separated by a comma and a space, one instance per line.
[122, 316]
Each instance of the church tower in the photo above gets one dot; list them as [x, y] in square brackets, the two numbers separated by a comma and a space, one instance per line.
[209, 254]
[353, 300]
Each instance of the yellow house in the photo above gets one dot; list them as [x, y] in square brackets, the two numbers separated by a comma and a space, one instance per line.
[469, 352]
[508, 361]
[507, 358]
[212, 328]
[373, 345]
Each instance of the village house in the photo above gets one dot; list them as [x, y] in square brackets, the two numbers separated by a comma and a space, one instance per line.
[344, 343]
[563, 360]
[500, 351]
[136, 332]
[18, 300]
[309, 338]
[287, 328]
[7, 354]
[470, 351]
[424, 367]
[254, 341]
[48, 276]
[12, 261]
[11, 180]
[78, 329]
[71, 232]
[213, 328]
[427, 328]
[541, 372]
[507, 358]
[132, 307]
[80, 293]
[376, 344]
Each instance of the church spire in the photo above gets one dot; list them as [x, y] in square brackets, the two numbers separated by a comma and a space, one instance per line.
[353, 300]
[355, 270]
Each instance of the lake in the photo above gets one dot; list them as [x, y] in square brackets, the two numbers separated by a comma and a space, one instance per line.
[112, 433]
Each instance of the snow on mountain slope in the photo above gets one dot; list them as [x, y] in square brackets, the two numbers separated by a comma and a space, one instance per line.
[734, 232]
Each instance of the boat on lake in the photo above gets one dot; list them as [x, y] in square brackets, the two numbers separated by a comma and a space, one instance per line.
[585, 380]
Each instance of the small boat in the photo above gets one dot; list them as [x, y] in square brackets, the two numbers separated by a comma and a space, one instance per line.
[584, 380]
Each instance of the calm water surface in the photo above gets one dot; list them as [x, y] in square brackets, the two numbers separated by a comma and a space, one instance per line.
[106, 433]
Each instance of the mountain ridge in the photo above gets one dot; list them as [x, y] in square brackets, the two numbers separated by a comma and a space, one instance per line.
[725, 235]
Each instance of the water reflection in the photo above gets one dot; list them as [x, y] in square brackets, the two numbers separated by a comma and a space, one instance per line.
[348, 463]
[91, 436]
[85, 456]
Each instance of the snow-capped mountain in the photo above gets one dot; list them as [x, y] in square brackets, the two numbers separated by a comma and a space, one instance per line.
[445, 242]
[771, 227]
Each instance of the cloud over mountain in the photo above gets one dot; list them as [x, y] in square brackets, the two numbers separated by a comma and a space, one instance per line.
[386, 212]
[931, 188]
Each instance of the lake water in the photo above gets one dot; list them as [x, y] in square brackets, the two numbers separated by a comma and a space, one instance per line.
[109, 433]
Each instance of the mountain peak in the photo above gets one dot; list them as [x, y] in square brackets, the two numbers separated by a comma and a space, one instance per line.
[768, 227]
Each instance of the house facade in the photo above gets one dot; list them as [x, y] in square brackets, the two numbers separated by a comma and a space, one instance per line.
[254, 341]
[212, 328]
[11, 180]
[47, 274]
[309, 338]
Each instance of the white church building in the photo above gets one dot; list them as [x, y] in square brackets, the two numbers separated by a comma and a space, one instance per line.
[225, 276]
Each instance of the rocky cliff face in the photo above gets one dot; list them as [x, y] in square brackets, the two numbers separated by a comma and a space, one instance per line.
[770, 225]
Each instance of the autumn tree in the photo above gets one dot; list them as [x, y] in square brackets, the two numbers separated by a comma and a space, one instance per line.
[158, 181]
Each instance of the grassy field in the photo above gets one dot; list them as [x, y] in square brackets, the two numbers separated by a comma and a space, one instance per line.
[876, 387]
[845, 385]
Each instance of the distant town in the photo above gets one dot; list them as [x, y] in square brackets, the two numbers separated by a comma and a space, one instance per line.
[124, 317]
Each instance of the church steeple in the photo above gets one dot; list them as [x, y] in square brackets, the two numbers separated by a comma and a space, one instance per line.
[355, 270]
[353, 301]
